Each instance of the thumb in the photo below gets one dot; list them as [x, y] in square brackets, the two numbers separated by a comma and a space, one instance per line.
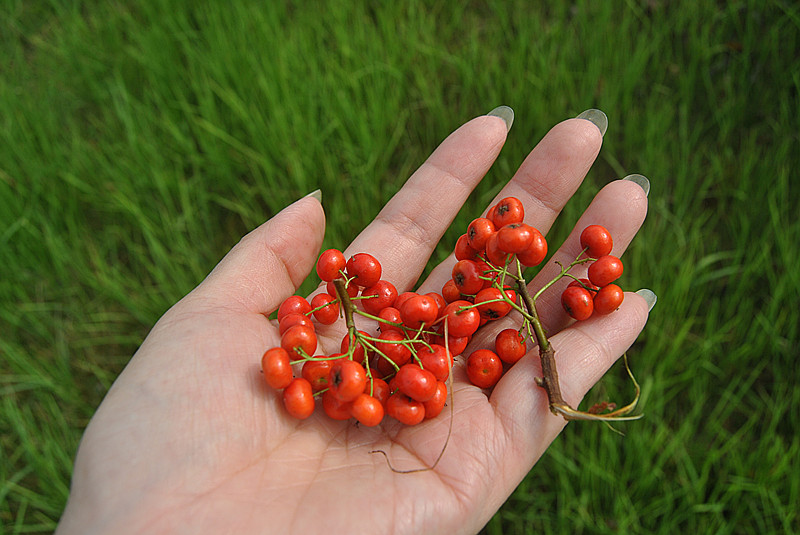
[270, 262]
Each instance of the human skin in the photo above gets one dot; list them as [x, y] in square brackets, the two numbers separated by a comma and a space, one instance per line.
[189, 438]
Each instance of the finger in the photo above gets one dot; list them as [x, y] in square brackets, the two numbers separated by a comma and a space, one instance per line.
[269, 263]
[405, 232]
[544, 182]
[583, 353]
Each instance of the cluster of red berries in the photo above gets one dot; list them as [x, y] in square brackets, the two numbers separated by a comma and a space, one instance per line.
[401, 370]
[595, 294]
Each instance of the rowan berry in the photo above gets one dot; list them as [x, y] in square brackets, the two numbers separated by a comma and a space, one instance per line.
[467, 277]
[577, 302]
[391, 345]
[294, 303]
[608, 299]
[434, 406]
[391, 320]
[346, 379]
[299, 338]
[292, 319]
[367, 410]
[436, 361]
[329, 311]
[316, 373]
[494, 254]
[536, 251]
[364, 268]
[335, 408]
[416, 383]
[597, 240]
[484, 368]
[450, 291]
[510, 345]
[277, 368]
[478, 231]
[299, 399]
[489, 304]
[380, 295]
[461, 322]
[507, 211]
[404, 409]
[515, 237]
[463, 250]
[605, 270]
[330, 264]
[419, 310]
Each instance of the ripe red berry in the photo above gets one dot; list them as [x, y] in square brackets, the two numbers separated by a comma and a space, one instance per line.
[507, 211]
[391, 344]
[605, 270]
[316, 373]
[329, 264]
[436, 361]
[608, 299]
[277, 368]
[461, 323]
[535, 252]
[484, 368]
[346, 379]
[598, 241]
[329, 313]
[478, 231]
[292, 319]
[299, 399]
[435, 405]
[294, 303]
[419, 310]
[415, 382]
[335, 408]
[391, 320]
[515, 238]
[367, 410]
[365, 269]
[494, 254]
[299, 338]
[467, 277]
[450, 291]
[404, 409]
[463, 250]
[577, 302]
[488, 305]
[510, 346]
[380, 295]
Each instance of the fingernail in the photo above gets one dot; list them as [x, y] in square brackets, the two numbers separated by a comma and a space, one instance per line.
[649, 297]
[598, 118]
[317, 194]
[505, 113]
[641, 180]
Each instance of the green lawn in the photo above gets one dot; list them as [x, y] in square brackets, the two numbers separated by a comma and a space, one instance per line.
[140, 140]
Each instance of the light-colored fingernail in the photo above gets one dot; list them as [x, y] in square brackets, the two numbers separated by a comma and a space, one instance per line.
[317, 194]
[598, 118]
[649, 296]
[505, 113]
[642, 180]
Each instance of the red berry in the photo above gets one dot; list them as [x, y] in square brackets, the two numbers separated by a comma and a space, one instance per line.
[294, 303]
[292, 319]
[346, 379]
[299, 399]
[415, 382]
[463, 250]
[316, 373]
[608, 299]
[461, 323]
[577, 302]
[510, 346]
[515, 238]
[507, 211]
[329, 264]
[404, 409]
[277, 368]
[495, 255]
[535, 252]
[488, 305]
[367, 410]
[467, 277]
[299, 338]
[335, 408]
[450, 291]
[390, 317]
[478, 231]
[597, 239]
[435, 405]
[436, 361]
[365, 269]
[392, 346]
[329, 313]
[605, 270]
[380, 295]
[419, 310]
[484, 368]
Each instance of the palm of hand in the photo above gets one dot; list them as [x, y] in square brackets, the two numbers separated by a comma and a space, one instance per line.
[190, 438]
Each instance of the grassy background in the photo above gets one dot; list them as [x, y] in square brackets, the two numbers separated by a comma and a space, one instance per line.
[140, 140]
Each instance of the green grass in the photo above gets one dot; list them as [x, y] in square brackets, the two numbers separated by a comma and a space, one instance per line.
[140, 140]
